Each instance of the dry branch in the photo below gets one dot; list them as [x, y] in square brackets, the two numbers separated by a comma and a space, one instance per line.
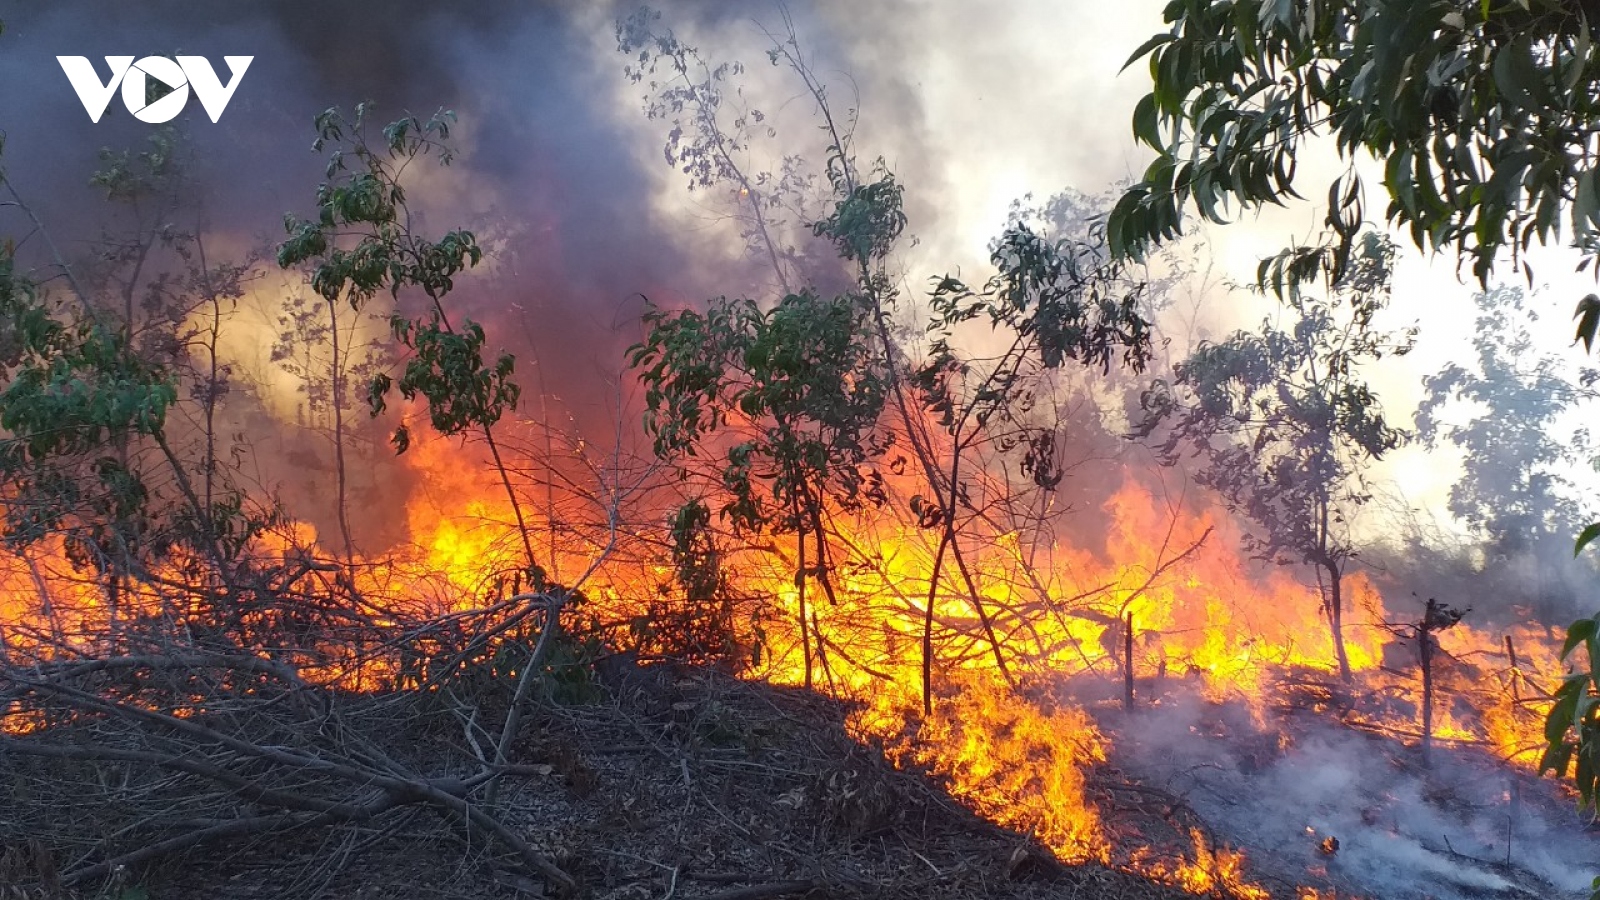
[236, 747]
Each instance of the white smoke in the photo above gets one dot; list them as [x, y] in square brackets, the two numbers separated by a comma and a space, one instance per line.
[1467, 828]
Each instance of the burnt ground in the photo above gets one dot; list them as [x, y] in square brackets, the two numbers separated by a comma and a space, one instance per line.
[685, 785]
[1317, 793]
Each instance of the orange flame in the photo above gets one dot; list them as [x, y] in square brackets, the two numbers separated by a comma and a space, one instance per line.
[1201, 613]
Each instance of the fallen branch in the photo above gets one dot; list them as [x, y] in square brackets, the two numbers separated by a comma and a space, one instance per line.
[196, 748]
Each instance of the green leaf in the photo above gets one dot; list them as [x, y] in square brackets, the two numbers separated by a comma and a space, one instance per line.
[1584, 778]
[1594, 672]
[1557, 758]
[1145, 124]
[1560, 719]
[1586, 703]
[1146, 47]
[1588, 535]
[1577, 633]
[1588, 316]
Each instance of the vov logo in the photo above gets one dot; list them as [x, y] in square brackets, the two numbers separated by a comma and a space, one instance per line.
[178, 74]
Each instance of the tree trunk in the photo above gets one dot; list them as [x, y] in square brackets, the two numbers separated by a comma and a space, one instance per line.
[1127, 662]
[1336, 619]
[977, 604]
[336, 388]
[927, 625]
[800, 586]
[1425, 657]
[1516, 672]
[822, 650]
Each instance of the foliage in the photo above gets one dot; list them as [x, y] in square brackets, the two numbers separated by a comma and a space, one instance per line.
[798, 392]
[1285, 421]
[303, 328]
[1577, 713]
[360, 243]
[1052, 302]
[695, 558]
[196, 654]
[798, 382]
[700, 627]
[699, 616]
[1572, 726]
[1480, 112]
[1514, 489]
[92, 379]
[804, 374]
[76, 391]
[788, 393]
[448, 369]
[1062, 298]
[716, 134]
[1057, 302]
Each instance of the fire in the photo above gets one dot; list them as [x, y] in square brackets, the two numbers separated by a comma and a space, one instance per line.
[1016, 764]
[458, 520]
[1013, 744]
[1214, 871]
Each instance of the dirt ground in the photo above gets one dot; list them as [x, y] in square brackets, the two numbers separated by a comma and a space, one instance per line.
[666, 785]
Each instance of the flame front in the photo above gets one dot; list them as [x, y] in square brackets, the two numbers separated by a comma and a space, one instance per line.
[1011, 731]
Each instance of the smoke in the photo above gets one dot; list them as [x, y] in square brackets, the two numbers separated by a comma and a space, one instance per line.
[561, 174]
[549, 174]
[539, 156]
[559, 171]
[1464, 829]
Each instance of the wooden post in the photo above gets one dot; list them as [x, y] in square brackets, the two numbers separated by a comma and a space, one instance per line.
[1515, 811]
[800, 590]
[1516, 672]
[1425, 652]
[1127, 662]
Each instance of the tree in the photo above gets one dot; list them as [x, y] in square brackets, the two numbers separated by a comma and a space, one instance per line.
[1285, 423]
[1052, 302]
[93, 375]
[802, 393]
[1481, 114]
[715, 135]
[361, 242]
[315, 346]
[1515, 491]
[230, 675]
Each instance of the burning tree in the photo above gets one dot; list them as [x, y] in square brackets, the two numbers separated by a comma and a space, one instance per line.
[827, 387]
[92, 462]
[802, 394]
[1285, 423]
[353, 699]
[1053, 303]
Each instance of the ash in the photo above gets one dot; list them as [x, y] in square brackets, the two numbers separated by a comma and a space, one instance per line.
[1314, 801]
